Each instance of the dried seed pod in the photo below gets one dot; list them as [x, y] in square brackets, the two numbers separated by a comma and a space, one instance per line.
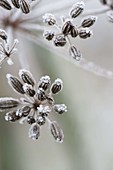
[5, 4]
[74, 52]
[25, 6]
[24, 111]
[3, 35]
[15, 83]
[74, 32]
[85, 33]
[66, 28]
[26, 77]
[44, 82]
[57, 132]
[16, 3]
[40, 120]
[30, 120]
[77, 9]
[88, 22]
[60, 40]
[34, 131]
[41, 94]
[48, 35]
[8, 103]
[49, 19]
[57, 86]
[11, 116]
[60, 108]
[28, 89]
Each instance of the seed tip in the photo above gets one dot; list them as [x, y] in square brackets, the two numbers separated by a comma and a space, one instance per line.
[8, 76]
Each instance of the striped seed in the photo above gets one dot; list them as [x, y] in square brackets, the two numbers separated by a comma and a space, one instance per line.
[5, 4]
[25, 6]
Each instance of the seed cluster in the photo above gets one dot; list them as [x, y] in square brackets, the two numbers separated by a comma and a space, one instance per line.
[36, 105]
[24, 5]
[68, 29]
[5, 50]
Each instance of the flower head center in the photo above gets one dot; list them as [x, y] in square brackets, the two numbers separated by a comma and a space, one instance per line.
[36, 104]
[7, 22]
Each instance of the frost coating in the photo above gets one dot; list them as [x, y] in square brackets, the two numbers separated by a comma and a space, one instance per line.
[36, 105]
[57, 132]
[8, 103]
[67, 29]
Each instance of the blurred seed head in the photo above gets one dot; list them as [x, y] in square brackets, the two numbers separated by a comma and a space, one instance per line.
[103, 1]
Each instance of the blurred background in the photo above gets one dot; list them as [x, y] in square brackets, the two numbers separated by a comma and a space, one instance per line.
[88, 124]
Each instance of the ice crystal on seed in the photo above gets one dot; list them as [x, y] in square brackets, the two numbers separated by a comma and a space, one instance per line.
[30, 27]
[69, 29]
[36, 106]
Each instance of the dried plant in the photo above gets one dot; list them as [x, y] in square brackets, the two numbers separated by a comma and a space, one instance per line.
[67, 28]
[37, 104]
[23, 19]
